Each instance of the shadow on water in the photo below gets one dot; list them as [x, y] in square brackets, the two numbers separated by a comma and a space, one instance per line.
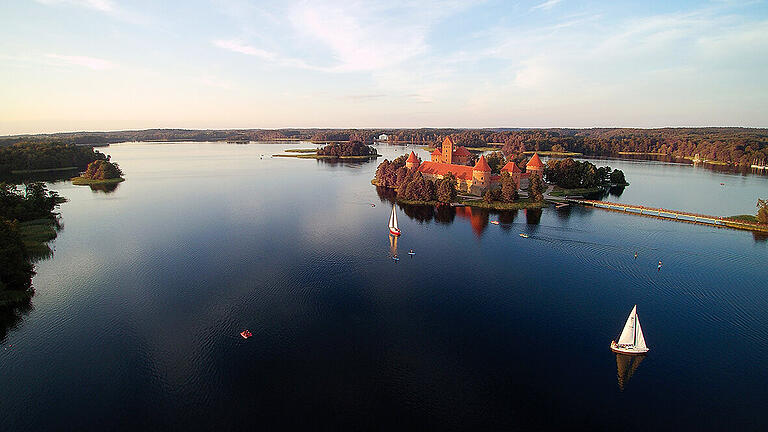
[626, 365]
[11, 317]
[478, 218]
[104, 188]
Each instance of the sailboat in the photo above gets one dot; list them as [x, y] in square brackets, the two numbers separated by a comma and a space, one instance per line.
[631, 340]
[393, 228]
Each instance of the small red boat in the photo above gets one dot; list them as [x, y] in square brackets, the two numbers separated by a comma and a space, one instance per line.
[246, 334]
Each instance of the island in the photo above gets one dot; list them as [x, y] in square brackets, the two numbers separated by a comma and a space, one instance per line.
[454, 176]
[338, 150]
[100, 172]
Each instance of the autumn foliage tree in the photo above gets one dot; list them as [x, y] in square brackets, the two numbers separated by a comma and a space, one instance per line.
[102, 170]
[762, 212]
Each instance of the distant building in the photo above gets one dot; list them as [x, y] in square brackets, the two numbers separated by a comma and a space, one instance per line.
[383, 137]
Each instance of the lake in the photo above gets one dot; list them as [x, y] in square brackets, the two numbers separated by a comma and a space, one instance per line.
[135, 322]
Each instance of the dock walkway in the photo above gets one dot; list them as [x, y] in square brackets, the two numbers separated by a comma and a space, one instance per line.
[673, 214]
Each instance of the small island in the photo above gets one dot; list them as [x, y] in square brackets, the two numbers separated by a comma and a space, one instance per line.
[100, 172]
[454, 177]
[344, 150]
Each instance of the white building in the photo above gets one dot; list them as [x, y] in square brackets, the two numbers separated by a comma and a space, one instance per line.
[383, 137]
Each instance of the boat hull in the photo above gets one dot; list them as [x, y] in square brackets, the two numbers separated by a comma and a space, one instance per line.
[629, 351]
[394, 232]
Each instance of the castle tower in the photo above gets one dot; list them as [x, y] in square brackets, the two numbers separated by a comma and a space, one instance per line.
[514, 171]
[535, 166]
[436, 155]
[412, 161]
[481, 174]
[447, 156]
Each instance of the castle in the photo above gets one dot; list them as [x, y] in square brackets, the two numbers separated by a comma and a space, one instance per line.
[475, 180]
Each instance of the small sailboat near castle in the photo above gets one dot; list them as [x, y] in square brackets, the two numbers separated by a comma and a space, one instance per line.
[631, 341]
[393, 228]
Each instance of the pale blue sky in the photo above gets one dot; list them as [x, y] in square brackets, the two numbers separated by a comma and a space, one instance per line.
[70, 65]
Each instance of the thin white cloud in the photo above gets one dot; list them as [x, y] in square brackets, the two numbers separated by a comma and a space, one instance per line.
[83, 61]
[100, 5]
[549, 4]
[238, 46]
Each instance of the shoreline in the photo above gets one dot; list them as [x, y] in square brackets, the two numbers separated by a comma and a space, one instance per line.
[82, 181]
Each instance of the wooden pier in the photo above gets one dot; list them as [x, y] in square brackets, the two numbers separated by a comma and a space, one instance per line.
[681, 216]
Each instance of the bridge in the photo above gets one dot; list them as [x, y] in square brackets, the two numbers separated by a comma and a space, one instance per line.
[673, 214]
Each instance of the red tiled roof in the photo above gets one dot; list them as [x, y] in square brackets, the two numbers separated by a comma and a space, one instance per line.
[462, 151]
[412, 158]
[511, 168]
[437, 152]
[460, 171]
[482, 165]
[535, 162]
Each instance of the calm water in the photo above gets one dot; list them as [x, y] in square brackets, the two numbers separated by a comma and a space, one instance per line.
[136, 318]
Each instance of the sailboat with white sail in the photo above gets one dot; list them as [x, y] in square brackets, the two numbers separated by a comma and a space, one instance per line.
[631, 340]
[393, 228]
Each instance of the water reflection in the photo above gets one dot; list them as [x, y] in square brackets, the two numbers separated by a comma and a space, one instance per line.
[626, 365]
[392, 246]
[478, 218]
[105, 188]
[11, 316]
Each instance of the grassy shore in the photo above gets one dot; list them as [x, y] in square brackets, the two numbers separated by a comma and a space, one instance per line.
[553, 153]
[317, 156]
[84, 181]
[560, 192]
[641, 154]
[483, 149]
[36, 171]
[746, 218]
[479, 203]
[301, 150]
[524, 203]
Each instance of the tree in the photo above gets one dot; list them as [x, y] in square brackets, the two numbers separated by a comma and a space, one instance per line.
[488, 196]
[617, 177]
[15, 267]
[446, 189]
[508, 188]
[536, 191]
[762, 212]
[102, 170]
[495, 160]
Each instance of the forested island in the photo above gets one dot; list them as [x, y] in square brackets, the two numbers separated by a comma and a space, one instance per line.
[732, 146]
[342, 150]
[100, 172]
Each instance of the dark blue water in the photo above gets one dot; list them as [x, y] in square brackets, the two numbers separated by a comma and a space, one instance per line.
[136, 317]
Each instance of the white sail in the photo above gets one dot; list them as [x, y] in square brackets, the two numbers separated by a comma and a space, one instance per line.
[393, 219]
[628, 334]
[640, 339]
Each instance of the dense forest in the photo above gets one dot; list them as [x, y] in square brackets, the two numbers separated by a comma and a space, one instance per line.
[42, 156]
[352, 148]
[17, 206]
[731, 145]
[571, 174]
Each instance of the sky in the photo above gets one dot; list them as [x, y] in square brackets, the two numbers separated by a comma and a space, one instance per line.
[73, 65]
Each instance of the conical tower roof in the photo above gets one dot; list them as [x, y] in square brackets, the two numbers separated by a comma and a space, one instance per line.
[535, 162]
[412, 158]
[482, 165]
[511, 168]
